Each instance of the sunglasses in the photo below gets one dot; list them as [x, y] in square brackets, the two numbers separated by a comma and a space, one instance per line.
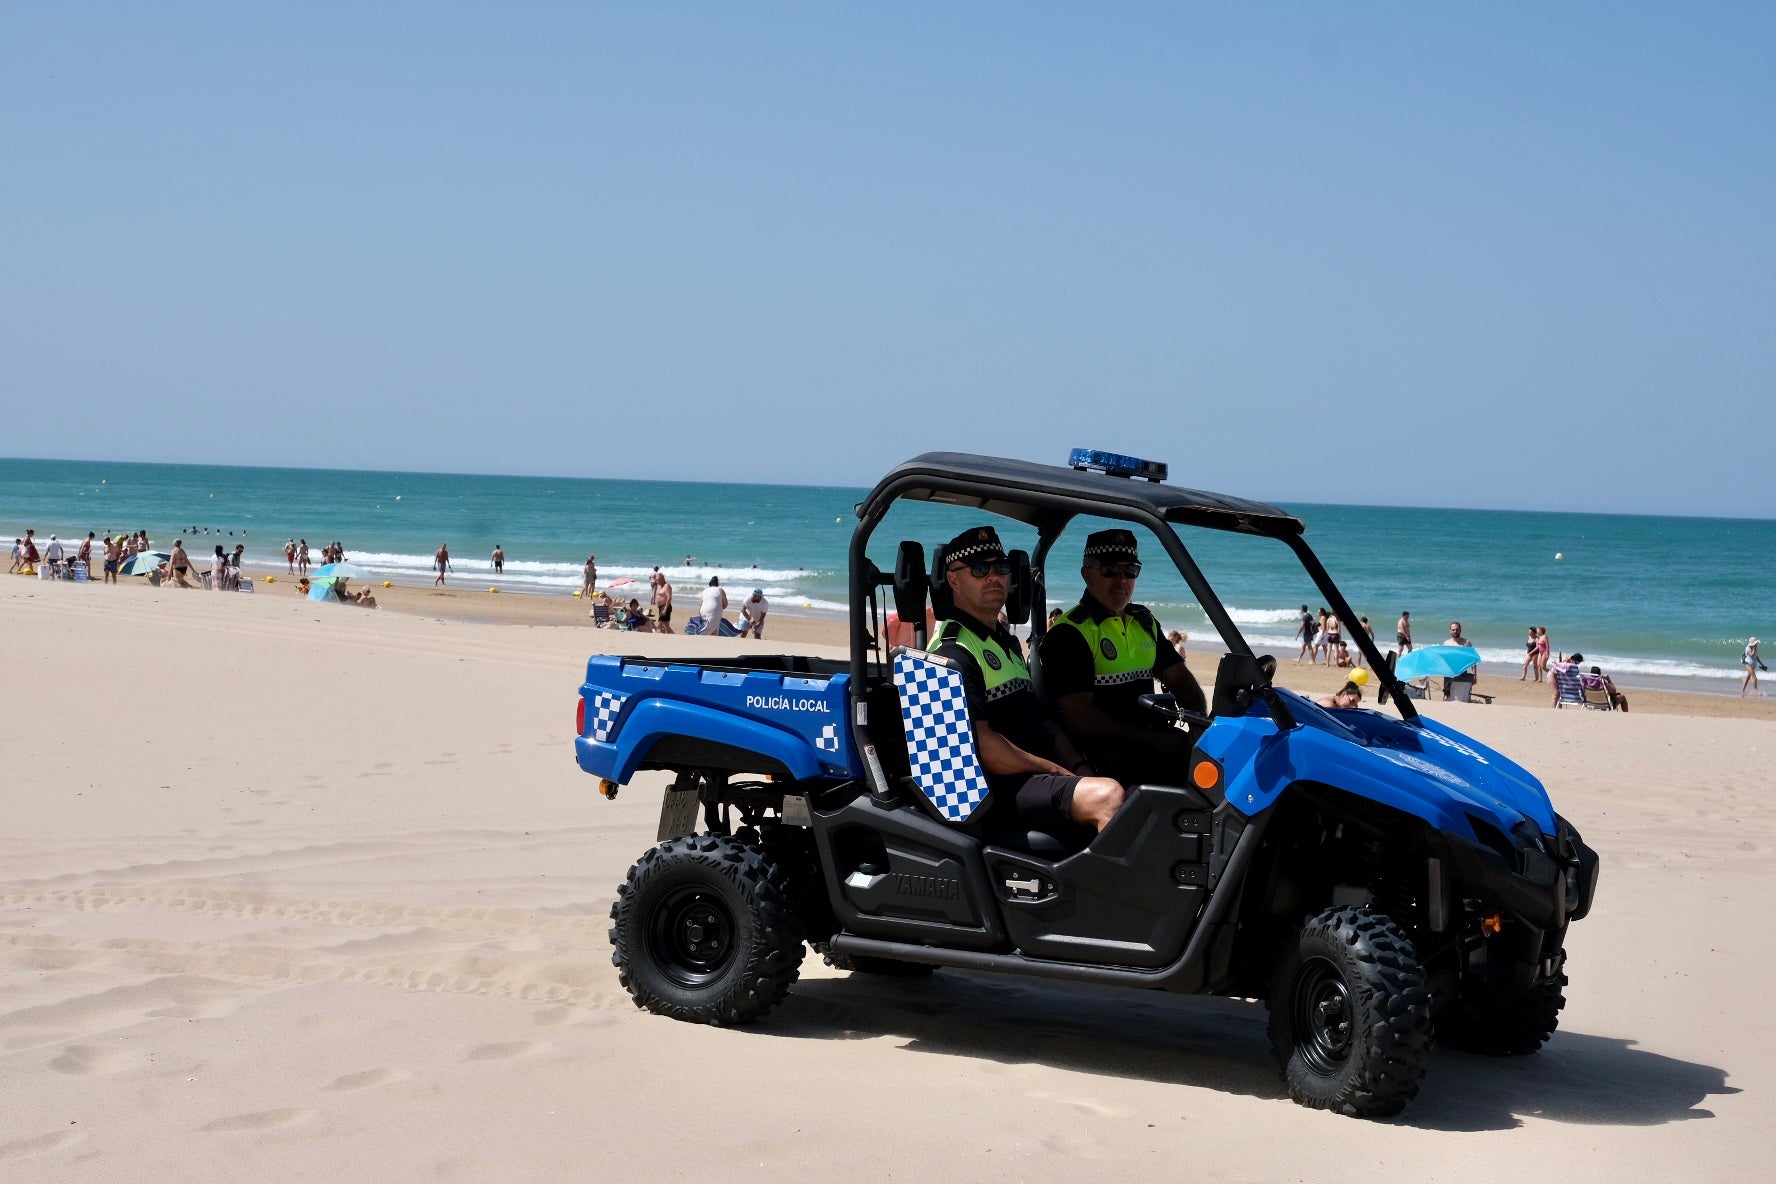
[999, 567]
[1116, 571]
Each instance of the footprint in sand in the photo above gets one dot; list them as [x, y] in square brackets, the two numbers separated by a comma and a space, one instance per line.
[507, 1051]
[368, 1079]
[83, 1058]
[262, 1120]
[25, 1148]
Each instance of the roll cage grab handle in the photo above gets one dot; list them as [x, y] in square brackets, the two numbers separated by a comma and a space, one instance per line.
[1065, 509]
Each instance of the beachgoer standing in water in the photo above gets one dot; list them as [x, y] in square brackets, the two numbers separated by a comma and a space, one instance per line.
[1403, 633]
[442, 559]
[1529, 658]
[499, 560]
[290, 555]
[591, 584]
[1752, 664]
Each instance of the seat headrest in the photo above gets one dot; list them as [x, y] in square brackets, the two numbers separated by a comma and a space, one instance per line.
[910, 582]
[942, 602]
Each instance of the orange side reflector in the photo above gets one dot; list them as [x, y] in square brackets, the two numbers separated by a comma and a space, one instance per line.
[1205, 775]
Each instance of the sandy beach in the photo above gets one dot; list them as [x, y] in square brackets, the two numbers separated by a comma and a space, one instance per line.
[293, 891]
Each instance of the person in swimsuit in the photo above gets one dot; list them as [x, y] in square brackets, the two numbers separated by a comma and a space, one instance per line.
[1752, 664]
[179, 564]
[113, 558]
[1529, 658]
[1305, 631]
[499, 560]
[442, 561]
[1541, 652]
[662, 602]
[1403, 633]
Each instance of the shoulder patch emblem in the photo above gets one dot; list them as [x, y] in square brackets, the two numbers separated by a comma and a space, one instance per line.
[991, 658]
[1107, 648]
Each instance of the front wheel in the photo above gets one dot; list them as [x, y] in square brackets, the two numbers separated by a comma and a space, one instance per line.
[1350, 1017]
[705, 931]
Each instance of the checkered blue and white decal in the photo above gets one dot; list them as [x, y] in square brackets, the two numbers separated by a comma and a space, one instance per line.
[601, 720]
[828, 740]
[939, 736]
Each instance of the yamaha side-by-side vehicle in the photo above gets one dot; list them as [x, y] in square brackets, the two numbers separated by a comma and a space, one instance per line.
[1380, 880]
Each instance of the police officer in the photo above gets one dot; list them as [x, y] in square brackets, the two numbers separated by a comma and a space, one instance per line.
[1102, 656]
[1028, 761]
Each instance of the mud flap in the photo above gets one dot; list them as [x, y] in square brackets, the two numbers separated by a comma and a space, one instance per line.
[678, 813]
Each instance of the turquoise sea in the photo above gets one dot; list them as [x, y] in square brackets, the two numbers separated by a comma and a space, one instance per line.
[1661, 601]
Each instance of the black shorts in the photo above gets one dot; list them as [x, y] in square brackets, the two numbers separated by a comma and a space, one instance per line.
[665, 613]
[1045, 803]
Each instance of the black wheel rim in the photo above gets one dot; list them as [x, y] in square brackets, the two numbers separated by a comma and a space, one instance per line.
[692, 936]
[1323, 1018]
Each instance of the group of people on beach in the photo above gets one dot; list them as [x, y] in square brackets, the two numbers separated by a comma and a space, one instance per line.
[1323, 638]
[656, 615]
[298, 560]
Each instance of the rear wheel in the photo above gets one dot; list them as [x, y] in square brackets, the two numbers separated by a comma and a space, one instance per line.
[704, 931]
[1482, 1021]
[1350, 1019]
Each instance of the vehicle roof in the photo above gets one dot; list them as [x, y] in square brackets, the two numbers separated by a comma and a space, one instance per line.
[1026, 491]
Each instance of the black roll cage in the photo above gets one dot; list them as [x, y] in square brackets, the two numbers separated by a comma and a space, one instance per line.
[1049, 497]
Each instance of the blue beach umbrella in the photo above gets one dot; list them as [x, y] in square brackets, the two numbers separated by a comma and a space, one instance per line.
[143, 563]
[1439, 661]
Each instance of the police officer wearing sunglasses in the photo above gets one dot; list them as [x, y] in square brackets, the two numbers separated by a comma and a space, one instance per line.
[1102, 656]
[1028, 760]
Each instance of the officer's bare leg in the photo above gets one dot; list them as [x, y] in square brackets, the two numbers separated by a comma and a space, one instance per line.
[1096, 801]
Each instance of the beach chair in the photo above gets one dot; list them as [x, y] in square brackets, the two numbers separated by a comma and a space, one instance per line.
[601, 615]
[1596, 692]
[1570, 692]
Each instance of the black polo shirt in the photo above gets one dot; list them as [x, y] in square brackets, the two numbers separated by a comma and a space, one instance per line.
[1068, 667]
[1018, 714]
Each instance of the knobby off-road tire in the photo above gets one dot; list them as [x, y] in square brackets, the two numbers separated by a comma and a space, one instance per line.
[1350, 1016]
[889, 967]
[706, 931]
[1483, 1022]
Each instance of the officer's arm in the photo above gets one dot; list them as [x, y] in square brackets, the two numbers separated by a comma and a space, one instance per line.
[1177, 679]
[1001, 756]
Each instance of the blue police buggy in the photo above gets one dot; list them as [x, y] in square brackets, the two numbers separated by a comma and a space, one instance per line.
[1378, 878]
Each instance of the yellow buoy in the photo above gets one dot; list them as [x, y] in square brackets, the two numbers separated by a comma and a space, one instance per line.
[271, 579]
[493, 589]
[387, 584]
[576, 593]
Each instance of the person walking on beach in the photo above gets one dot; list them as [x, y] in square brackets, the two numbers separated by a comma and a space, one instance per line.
[1541, 652]
[1403, 633]
[662, 601]
[302, 557]
[712, 603]
[591, 584]
[219, 570]
[113, 557]
[1305, 631]
[442, 560]
[85, 555]
[179, 563]
[1752, 664]
[499, 560]
[290, 555]
[1529, 659]
[1370, 630]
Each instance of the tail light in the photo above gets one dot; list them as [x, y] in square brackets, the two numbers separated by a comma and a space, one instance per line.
[580, 717]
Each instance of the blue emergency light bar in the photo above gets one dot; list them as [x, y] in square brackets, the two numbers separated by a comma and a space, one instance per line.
[1115, 464]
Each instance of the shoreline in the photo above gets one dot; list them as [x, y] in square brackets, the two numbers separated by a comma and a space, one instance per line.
[476, 605]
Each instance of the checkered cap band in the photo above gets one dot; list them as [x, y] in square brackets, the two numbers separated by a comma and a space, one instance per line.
[939, 736]
[601, 720]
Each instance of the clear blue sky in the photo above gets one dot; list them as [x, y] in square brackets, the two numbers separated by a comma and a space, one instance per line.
[1409, 254]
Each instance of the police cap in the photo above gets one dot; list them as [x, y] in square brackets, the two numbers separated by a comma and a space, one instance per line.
[1111, 546]
[974, 545]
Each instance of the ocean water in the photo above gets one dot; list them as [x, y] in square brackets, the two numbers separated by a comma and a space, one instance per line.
[1661, 601]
